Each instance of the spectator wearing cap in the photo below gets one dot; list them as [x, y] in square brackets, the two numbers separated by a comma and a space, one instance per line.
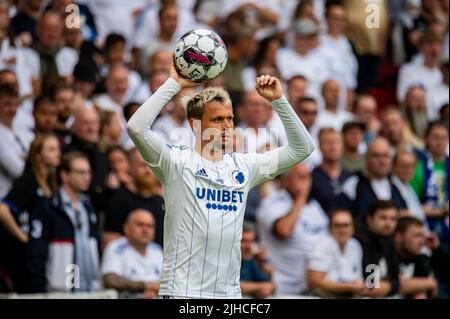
[352, 160]
[302, 59]
[425, 72]
[438, 95]
[14, 143]
[328, 177]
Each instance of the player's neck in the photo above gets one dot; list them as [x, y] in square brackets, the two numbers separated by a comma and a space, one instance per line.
[208, 153]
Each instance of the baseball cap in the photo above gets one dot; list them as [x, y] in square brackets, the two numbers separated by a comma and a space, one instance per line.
[305, 27]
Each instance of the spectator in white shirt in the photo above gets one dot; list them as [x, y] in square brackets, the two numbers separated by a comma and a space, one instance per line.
[115, 53]
[365, 109]
[13, 145]
[332, 116]
[173, 125]
[47, 58]
[426, 72]
[438, 95]
[335, 40]
[290, 222]
[133, 263]
[156, 78]
[303, 59]
[166, 39]
[23, 121]
[254, 113]
[307, 110]
[404, 167]
[415, 107]
[296, 88]
[116, 89]
[335, 265]
[396, 130]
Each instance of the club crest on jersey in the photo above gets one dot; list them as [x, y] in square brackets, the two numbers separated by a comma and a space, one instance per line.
[238, 177]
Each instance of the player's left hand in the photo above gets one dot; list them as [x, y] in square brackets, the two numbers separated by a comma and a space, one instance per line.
[269, 87]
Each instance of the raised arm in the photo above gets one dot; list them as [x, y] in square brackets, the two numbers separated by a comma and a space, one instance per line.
[300, 144]
[139, 125]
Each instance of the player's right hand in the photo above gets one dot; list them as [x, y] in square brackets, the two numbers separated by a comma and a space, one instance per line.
[181, 80]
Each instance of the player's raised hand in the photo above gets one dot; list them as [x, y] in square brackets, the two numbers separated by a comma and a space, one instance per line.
[269, 87]
[182, 81]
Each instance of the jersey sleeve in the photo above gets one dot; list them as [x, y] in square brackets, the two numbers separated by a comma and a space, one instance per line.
[300, 145]
[152, 147]
[112, 260]
[320, 258]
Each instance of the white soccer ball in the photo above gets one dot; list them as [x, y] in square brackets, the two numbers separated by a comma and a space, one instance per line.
[201, 55]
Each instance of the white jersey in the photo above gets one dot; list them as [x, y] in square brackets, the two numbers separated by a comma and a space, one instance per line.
[289, 256]
[122, 259]
[205, 200]
[327, 257]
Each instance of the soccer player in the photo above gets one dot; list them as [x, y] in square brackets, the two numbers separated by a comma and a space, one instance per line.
[206, 187]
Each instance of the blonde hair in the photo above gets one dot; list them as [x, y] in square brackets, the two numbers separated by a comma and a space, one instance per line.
[195, 104]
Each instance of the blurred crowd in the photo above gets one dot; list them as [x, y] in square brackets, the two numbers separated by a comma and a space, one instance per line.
[366, 215]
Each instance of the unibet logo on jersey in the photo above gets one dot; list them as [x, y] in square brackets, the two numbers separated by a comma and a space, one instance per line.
[223, 199]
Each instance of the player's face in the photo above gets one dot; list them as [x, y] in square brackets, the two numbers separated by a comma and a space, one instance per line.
[217, 124]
